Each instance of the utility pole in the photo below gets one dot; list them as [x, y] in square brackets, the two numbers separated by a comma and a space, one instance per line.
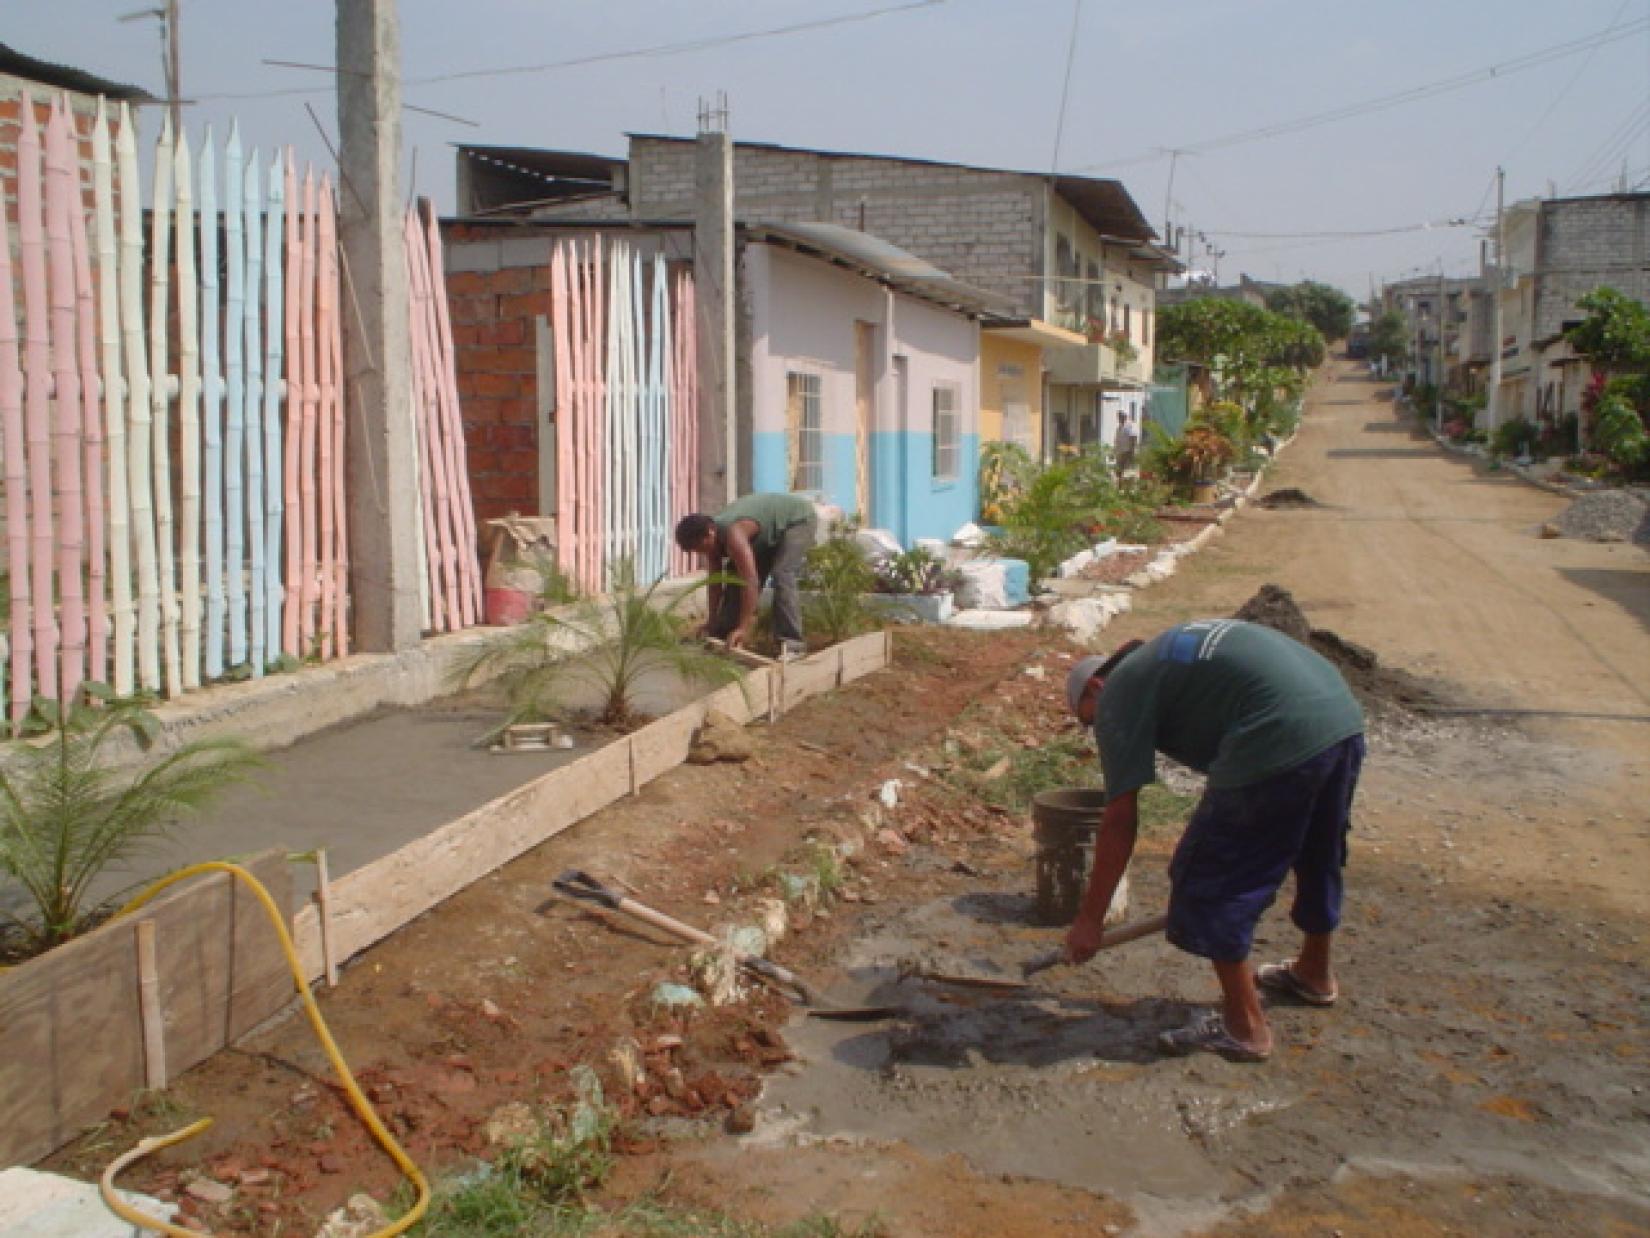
[383, 491]
[1438, 375]
[171, 56]
[1168, 198]
[1492, 406]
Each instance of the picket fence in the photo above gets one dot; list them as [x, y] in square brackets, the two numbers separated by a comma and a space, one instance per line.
[627, 453]
[174, 475]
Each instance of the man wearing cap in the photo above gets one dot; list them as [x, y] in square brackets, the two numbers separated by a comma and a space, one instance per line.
[756, 538]
[1280, 736]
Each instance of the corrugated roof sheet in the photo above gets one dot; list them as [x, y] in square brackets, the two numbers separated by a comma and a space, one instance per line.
[31, 68]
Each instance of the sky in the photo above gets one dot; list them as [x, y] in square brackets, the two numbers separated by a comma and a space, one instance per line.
[982, 82]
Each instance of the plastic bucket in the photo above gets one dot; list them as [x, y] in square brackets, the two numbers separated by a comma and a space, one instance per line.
[1064, 824]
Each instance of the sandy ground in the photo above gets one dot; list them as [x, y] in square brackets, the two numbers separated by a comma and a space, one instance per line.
[1486, 1071]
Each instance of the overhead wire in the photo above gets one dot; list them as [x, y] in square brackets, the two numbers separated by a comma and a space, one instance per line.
[678, 48]
[1427, 90]
[1564, 93]
[1065, 85]
[1619, 141]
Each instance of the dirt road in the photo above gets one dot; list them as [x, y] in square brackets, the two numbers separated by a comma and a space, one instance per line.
[1486, 1071]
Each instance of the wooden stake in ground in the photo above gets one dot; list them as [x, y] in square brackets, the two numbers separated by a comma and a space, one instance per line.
[139, 418]
[37, 401]
[114, 405]
[189, 413]
[62, 206]
[17, 488]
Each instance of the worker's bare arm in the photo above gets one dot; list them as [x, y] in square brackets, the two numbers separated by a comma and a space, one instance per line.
[1113, 848]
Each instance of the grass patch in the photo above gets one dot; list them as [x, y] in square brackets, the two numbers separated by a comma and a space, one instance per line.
[1009, 775]
[1161, 808]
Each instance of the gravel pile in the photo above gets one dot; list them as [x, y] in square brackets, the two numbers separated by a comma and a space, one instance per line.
[1607, 516]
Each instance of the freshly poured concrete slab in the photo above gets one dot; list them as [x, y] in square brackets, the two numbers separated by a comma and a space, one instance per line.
[41, 1205]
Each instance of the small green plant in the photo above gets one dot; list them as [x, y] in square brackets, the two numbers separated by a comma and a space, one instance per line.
[1044, 525]
[1620, 433]
[914, 571]
[1514, 438]
[837, 577]
[1006, 469]
[606, 644]
[826, 866]
[66, 818]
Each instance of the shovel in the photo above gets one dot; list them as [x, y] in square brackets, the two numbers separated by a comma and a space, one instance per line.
[575, 883]
[1052, 958]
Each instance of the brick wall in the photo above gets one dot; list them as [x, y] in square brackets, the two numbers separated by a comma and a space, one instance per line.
[83, 111]
[493, 340]
[983, 227]
[1586, 242]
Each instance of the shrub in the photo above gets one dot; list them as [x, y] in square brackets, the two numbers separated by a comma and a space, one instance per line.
[1514, 438]
[1620, 433]
[914, 571]
[1006, 469]
[837, 577]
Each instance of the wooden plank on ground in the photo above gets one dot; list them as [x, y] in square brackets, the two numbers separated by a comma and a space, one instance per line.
[811, 676]
[71, 1020]
[372, 902]
[661, 746]
[863, 655]
[743, 701]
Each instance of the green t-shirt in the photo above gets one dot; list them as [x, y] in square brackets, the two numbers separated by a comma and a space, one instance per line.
[1236, 701]
[773, 513]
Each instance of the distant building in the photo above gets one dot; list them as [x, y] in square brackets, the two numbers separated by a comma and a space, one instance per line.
[1249, 291]
[1556, 251]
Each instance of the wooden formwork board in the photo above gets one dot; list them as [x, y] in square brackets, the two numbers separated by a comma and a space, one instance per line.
[372, 902]
[72, 1022]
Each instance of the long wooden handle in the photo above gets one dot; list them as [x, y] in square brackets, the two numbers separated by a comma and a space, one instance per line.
[686, 932]
[1116, 937]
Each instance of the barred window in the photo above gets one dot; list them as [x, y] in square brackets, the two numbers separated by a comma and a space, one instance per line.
[805, 432]
[945, 433]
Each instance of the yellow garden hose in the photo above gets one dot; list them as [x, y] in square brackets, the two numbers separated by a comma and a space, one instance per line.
[357, 1099]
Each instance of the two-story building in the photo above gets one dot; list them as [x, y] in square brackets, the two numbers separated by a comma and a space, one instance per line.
[1071, 260]
[1555, 251]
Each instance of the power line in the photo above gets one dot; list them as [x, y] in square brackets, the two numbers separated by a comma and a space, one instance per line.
[1065, 86]
[1562, 94]
[1613, 147]
[1459, 222]
[679, 48]
[1413, 94]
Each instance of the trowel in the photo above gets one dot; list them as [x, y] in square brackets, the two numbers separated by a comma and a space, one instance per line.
[575, 883]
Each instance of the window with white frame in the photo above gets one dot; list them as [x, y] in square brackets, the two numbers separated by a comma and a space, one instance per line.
[805, 437]
[945, 432]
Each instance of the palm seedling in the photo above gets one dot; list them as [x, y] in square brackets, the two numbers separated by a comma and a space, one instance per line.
[66, 816]
[601, 645]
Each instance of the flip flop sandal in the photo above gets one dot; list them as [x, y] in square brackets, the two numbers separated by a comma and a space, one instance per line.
[1208, 1035]
[1281, 978]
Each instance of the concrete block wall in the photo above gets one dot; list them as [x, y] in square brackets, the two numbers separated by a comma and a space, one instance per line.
[1588, 242]
[983, 227]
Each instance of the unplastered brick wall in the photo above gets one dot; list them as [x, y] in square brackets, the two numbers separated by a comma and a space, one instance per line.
[14, 91]
[984, 227]
[493, 314]
[1588, 242]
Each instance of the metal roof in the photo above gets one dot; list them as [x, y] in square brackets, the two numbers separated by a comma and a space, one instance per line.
[889, 264]
[31, 68]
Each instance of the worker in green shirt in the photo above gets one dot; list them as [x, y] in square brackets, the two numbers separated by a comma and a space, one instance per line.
[756, 538]
[1280, 736]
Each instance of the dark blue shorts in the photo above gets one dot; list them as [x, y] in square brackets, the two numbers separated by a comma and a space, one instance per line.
[1242, 842]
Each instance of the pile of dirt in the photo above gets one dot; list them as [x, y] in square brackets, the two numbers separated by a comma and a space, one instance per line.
[1375, 685]
[1288, 498]
[1607, 516]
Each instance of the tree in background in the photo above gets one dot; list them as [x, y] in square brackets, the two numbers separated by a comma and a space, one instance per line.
[1389, 339]
[1255, 357]
[1328, 309]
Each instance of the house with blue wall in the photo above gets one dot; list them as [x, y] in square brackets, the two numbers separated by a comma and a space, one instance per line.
[863, 377]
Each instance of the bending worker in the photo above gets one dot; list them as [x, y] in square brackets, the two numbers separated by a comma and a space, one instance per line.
[1280, 737]
[756, 538]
